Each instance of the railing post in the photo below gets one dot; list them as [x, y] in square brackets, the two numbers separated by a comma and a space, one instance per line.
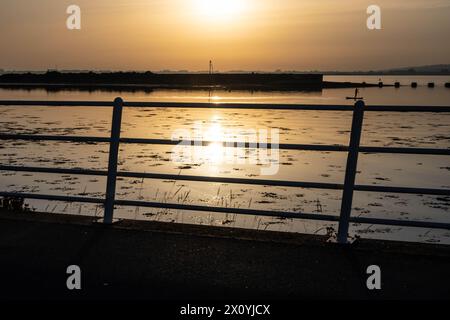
[350, 172]
[113, 158]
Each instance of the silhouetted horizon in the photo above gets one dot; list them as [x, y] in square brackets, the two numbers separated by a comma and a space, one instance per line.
[431, 69]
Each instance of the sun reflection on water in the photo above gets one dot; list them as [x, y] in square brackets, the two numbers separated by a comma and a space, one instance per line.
[215, 150]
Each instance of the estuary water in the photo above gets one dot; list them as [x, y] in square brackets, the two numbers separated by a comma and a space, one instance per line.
[308, 127]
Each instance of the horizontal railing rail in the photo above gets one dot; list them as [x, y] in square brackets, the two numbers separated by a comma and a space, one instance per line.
[275, 214]
[230, 144]
[201, 105]
[259, 182]
[348, 188]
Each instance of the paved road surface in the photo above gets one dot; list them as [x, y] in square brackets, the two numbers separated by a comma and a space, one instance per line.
[161, 261]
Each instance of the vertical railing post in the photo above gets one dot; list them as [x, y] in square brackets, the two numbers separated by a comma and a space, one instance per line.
[350, 172]
[113, 159]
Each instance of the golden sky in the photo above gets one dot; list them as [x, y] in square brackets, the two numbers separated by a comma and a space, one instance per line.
[235, 34]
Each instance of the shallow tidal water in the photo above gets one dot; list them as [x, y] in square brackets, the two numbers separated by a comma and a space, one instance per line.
[308, 127]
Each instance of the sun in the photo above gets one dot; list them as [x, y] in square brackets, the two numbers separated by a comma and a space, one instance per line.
[220, 9]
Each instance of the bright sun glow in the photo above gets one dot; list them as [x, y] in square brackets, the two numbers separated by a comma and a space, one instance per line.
[220, 9]
[215, 134]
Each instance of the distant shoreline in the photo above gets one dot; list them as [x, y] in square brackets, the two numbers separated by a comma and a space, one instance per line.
[384, 74]
[132, 81]
[150, 88]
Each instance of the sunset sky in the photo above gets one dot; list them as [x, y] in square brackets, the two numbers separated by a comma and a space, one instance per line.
[237, 35]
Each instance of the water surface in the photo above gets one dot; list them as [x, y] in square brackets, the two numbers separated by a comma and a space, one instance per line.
[310, 127]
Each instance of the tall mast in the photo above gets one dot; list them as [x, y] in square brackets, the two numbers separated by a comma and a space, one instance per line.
[211, 67]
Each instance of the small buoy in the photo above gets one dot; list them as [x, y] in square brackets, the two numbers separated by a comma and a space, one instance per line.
[431, 85]
[380, 84]
[414, 85]
[447, 84]
[397, 84]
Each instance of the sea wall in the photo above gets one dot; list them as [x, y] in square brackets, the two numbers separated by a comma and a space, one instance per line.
[228, 80]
